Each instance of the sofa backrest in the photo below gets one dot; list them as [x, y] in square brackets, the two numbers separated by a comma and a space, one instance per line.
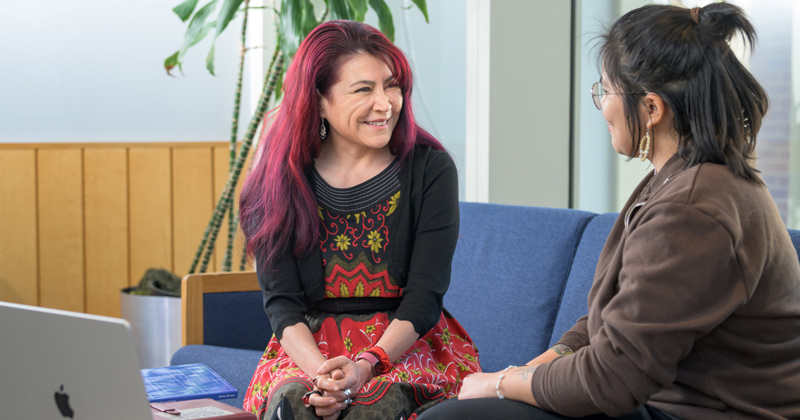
[795, 235]
[236, 319]
[581, 274]
[509, 272]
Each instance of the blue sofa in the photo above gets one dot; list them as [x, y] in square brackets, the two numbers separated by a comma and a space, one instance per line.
[520, 279]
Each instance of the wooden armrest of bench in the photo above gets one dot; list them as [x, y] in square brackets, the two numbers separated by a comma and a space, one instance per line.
[194, 286]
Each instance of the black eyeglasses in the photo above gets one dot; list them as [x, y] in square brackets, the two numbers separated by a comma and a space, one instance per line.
[598, 93]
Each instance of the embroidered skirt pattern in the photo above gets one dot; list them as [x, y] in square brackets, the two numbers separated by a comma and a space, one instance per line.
[431, 371]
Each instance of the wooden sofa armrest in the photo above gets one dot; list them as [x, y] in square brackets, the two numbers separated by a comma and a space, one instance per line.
[194, 286]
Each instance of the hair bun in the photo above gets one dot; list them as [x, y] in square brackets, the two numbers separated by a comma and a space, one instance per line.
[719, 22]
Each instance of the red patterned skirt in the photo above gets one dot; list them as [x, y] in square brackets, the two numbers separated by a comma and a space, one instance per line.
[431, 371]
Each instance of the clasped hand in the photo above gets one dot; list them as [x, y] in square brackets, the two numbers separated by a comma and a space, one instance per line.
[336, 376]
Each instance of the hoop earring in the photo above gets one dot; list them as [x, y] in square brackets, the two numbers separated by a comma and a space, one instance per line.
[322, 131]
[644, 146]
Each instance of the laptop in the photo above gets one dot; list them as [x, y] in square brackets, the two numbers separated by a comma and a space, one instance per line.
[58, 365]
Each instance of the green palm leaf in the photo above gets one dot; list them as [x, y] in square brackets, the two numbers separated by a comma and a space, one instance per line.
[423, 8]
[185, 9]
[385, 21]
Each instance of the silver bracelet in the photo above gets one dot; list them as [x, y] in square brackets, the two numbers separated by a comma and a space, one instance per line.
[500, 379]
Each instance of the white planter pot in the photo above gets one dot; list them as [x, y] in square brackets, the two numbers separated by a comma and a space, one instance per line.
[156, 325]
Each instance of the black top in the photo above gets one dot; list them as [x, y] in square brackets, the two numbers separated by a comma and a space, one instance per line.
[419, 260]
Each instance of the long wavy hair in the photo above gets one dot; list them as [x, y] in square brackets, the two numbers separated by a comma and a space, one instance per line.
[684, 56]
[278, 210]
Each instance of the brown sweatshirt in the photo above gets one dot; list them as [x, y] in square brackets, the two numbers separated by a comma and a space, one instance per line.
[695, 307]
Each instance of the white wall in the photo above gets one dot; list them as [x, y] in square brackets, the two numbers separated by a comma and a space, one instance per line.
[91, 71]
[529, 127]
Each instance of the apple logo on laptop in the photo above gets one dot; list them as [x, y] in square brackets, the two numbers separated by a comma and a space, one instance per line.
[62, 401]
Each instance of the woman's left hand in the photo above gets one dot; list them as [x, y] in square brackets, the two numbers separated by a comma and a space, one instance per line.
[353, 377]
[479, 385]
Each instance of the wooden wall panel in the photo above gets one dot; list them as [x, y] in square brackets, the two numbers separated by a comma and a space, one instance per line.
[80, 221]
[106, 221]
[150, 192]
[193, 201]
[19, 272]
[60, 202]
[221, 165]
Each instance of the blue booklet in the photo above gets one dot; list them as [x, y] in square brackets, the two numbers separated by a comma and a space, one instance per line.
[185, 382]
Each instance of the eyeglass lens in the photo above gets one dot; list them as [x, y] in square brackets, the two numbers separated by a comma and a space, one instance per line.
[597, 94]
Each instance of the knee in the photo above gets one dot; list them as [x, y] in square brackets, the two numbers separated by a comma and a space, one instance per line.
[447, 410]
[292, 390]
[484, 408]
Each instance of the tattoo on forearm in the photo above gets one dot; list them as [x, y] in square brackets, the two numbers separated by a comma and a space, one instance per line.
[526, 372]
[562, 350]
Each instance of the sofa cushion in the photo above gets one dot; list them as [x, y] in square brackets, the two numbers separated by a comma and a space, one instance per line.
[235, 365]
[509, 270]
[581, 275]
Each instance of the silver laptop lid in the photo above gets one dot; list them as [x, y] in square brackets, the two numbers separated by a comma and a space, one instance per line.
[57, 364]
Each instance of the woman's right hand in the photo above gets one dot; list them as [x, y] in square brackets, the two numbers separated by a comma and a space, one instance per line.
[345, 374]
[329, 405]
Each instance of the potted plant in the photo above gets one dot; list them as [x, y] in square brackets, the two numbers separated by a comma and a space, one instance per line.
[153, 308]
[155, 317]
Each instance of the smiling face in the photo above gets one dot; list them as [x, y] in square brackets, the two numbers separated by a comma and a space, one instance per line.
[362, 107]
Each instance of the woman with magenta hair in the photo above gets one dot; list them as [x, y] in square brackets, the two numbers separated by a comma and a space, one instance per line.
[351, 213]
[694, 312]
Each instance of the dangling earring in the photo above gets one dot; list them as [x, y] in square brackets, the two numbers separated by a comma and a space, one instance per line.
[644, 146]
[322, 131]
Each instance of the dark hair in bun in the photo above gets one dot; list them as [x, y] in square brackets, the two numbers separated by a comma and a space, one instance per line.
[684, 56]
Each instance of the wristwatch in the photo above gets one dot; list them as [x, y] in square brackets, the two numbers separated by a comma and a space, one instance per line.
[373, 361]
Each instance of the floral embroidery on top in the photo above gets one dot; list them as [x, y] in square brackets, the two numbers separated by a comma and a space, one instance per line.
[375, 241]
[354, 248]
[393, 203]
[342, 242]
[358, 278]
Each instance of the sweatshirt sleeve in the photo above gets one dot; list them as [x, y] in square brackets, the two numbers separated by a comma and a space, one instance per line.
[679, 279]
[577, 336]
[284, 299]
[433, 245]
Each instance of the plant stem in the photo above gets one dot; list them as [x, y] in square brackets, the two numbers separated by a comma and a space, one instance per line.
[226, 262]
[243, 262]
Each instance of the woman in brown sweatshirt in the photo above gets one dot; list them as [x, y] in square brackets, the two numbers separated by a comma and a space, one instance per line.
[695, 308]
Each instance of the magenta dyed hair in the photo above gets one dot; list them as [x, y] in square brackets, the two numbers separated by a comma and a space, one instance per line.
[278, 209]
